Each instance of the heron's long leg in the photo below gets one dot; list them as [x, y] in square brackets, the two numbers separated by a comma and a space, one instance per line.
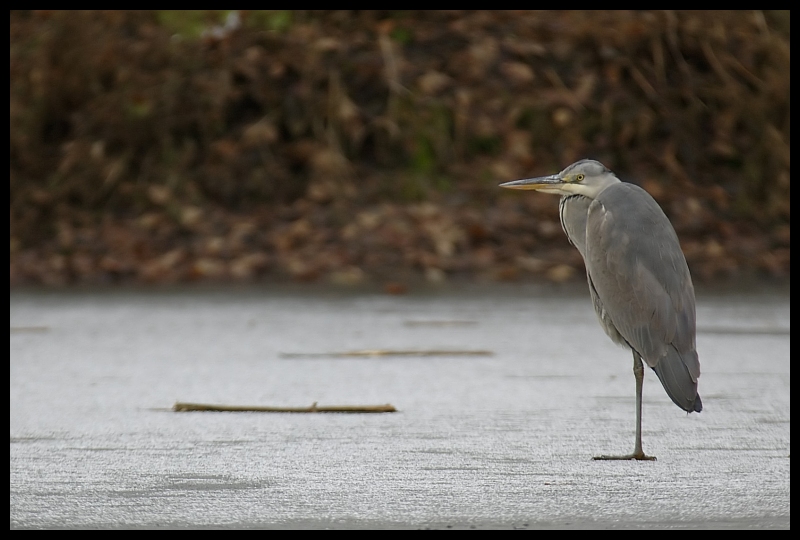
[638, 453]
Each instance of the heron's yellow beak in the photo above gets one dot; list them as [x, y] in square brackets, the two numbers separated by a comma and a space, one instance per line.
[542, 183]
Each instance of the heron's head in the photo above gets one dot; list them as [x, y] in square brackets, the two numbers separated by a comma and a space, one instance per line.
[585, 177]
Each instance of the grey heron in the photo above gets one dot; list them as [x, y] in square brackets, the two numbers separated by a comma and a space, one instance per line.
[639, 281]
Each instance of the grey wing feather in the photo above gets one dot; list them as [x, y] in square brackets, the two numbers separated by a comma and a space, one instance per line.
[641, 287]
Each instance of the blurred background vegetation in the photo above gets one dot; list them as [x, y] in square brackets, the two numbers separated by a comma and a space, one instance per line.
[360, 147]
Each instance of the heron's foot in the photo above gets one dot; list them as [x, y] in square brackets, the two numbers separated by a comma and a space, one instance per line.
[639, 456]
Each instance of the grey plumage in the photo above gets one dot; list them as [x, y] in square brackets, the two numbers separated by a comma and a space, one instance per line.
[638, 278]
[640, 286]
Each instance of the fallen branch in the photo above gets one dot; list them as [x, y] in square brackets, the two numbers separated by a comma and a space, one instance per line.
[190, 407]
[29, 329]
[386, 352]
[441, 323]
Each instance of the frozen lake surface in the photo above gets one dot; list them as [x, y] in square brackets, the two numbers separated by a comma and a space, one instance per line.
[478, 441]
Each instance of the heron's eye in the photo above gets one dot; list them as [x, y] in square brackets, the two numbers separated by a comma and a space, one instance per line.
[579, 177]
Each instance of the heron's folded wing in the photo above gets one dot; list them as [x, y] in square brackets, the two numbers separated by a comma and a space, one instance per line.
[640, 276]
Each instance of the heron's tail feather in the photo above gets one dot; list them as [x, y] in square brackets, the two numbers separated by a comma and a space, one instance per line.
[674, 375]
